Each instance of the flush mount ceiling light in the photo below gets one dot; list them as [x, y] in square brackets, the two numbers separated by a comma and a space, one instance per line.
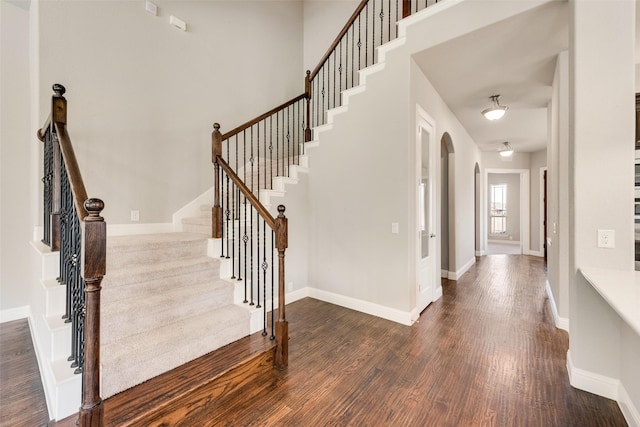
[506, 150]
[496, 111]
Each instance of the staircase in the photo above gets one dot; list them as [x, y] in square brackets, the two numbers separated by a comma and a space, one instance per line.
[163, 304]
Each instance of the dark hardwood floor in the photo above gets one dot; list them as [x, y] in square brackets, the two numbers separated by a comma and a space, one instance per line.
[22, 401]
[485, 354]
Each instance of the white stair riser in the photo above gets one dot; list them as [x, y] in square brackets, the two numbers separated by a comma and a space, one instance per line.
[50, 265]
[55, 297]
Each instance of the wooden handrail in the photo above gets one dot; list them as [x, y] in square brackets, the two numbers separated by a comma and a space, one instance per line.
[73, 171]
[261, 117]
[44, 128]
[336, 42]
[271, 222]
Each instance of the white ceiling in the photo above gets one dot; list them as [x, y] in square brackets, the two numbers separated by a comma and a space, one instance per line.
[514, 58]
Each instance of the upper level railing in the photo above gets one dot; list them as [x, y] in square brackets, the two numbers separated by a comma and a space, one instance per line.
[73, 225]
[266, 147]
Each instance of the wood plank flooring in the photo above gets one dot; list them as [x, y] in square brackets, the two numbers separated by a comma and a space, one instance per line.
[485, 354]
[22, 401]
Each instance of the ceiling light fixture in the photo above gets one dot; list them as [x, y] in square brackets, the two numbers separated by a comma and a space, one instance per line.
[496, 111]
[506, 151]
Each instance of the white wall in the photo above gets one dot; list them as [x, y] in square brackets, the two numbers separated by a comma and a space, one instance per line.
[602, 67]
[558, 223]
[512, 180]
[323, 20]
[16, 139]
[143, 95]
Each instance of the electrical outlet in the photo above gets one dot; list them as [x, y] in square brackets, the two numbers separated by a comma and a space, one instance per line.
[135, 215]
[607, 239]
[395, 228]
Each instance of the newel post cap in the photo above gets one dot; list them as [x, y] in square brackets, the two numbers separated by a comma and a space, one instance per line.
[94, 207]
[58, 89]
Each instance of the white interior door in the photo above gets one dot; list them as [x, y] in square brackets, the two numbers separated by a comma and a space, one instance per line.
[426, 265]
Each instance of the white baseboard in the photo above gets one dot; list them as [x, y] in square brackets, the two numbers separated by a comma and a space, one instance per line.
[297, 295]
[11, 314]
[481, 253]
[444, 274]
[629, 410]
[458, 274]
[142, 228]
[606, 387]
[563, 323]
[552, 302]
[592, 382]
[533, 253]
[395, 315]
[437, 294]
[560, 322]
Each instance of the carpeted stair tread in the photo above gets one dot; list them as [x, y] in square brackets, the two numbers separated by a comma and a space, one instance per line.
[157, 285]
[154, 271]
[137, 358]
[129, 317]
[124, 251]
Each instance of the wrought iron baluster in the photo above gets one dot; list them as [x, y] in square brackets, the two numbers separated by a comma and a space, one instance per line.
[271, 149]
[359, 43]
[264, 266]
[245, 239]
[340, 72]
[353, 45]
[334, 79]
[258, 281]
[273, 297]
[251, 281]
[47, 180]
[381, 22]
[366, 36]
[234, 207]
[288, 137]
[389, 21]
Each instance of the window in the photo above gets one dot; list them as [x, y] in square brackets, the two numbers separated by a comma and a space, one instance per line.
[498, 214]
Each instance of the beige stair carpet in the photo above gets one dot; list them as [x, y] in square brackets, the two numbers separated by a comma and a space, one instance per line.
[163, 304]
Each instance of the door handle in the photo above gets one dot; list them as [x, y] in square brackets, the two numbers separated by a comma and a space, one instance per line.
[432, 235]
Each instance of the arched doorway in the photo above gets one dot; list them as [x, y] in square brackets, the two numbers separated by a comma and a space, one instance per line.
[476, 207]
[447, 214]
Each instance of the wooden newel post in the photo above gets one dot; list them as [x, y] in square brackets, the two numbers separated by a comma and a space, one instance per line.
[406, 8]
[308, 94]
[282, 326]
[216, 210]
[94, 260]
[58, 115]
